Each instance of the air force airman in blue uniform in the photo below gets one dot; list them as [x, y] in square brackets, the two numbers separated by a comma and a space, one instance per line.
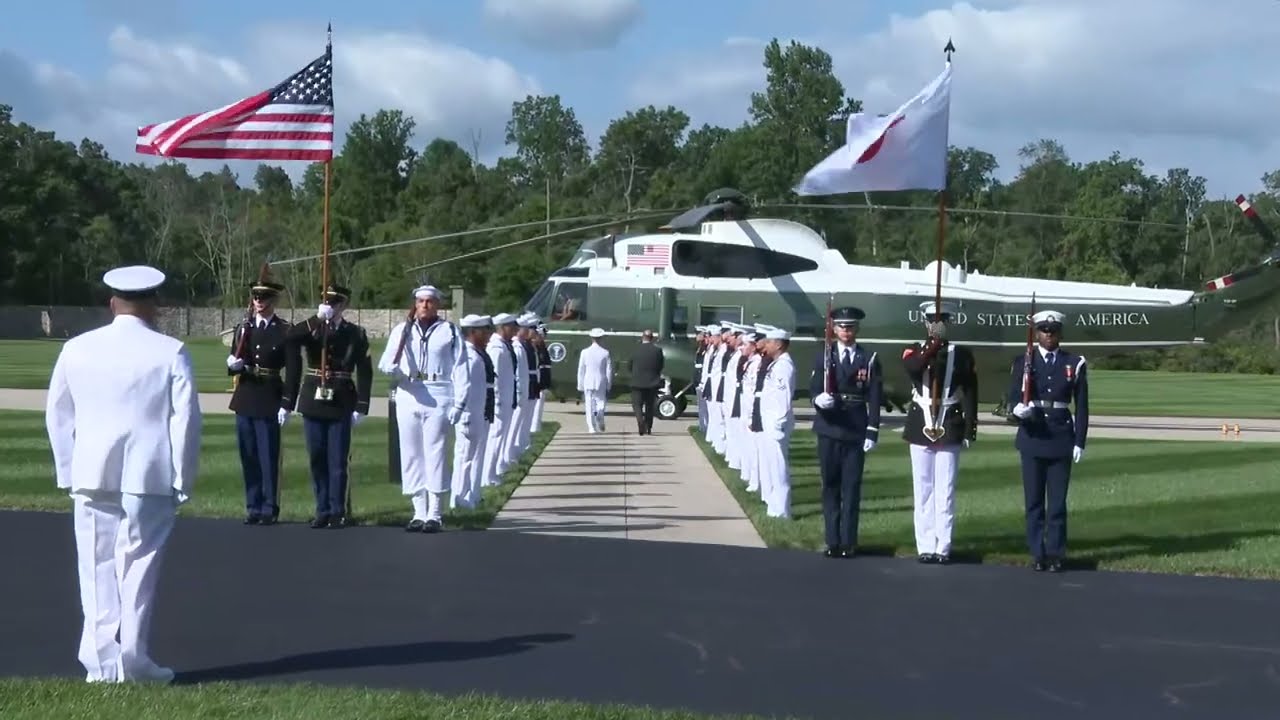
[1050, 438]
[848, 426]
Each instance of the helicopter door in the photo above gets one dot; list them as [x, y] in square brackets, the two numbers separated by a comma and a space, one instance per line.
[646, 313]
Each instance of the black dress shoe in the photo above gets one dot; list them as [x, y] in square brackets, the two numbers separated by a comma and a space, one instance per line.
[320, 521]
[942, 558]
[266, 520]
[415, 526]
[338, 522]
[926, 558]
[1055, 565]
[433, 526]
[831, 552]
[847, 552]
[251, 519]
[1038, 565]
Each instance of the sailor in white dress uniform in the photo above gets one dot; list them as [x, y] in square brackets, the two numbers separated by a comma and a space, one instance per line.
[426, 388]
[778, 421]
[124, 422]
[595, 378]
[506, 387]
[477, 411]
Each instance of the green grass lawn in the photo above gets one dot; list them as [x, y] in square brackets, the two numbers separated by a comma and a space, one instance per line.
[26, 473]
[77, 700]
[27, 364]
[1163, 506]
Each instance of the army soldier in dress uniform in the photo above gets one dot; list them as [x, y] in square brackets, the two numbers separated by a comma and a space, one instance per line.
[261, 359]
[333, 402]
[846, 386]
[539, 338]
[1049, 438]
[936, 439]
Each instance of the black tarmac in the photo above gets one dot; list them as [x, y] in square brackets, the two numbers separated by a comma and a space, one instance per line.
[707, 628]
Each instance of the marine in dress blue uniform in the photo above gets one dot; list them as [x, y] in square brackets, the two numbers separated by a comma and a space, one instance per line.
[260, 361]
[330, 410]
[847, 424]
[1050, 436]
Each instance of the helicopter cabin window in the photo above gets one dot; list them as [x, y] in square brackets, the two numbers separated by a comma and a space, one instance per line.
[540, 303]
[680, 320]
[716, 314]
[571, 302]
[704, 259]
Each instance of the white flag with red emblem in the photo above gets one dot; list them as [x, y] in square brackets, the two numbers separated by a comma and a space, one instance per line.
[904, 150]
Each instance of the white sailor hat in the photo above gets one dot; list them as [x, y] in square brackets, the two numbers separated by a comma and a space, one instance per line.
[596, 333]
[527, 320]
[1048, 318]
[422, 292]
[476, 321]
[504, 319]
[133, 280]
[928, 308]
[777, 334]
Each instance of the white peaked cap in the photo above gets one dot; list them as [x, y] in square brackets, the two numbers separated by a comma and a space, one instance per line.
[133, 279]
[422, 292]
[504, 319]
[948, 308]
[777, 334]
[527, 321]
[596, 333]
[762, 328]
[475, 321]
[1052, 316]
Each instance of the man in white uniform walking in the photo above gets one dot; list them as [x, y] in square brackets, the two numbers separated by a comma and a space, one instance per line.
[595, 378]
[124, 422]
[421, 357]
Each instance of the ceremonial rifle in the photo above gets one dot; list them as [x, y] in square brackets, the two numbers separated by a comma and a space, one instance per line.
[1026, 361]
[828, 370]
[936, 430]
[264, 274]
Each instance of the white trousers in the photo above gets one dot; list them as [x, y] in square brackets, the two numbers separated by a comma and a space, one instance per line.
[469, 440]
[594, 402]
[933, 475]
[120, 541]
[732, 439]
[775, 476]
[495, 463]
[524, 440]
[537, 411]
[511, 435]
[749, 452]
[702, 411]
[715, 425]
[422, 422]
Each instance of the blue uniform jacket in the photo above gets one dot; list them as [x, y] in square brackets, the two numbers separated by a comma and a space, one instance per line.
[856, 415]
[1051, 431]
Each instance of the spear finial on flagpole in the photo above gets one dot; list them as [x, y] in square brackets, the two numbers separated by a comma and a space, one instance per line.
[949, 49]
[329, 36]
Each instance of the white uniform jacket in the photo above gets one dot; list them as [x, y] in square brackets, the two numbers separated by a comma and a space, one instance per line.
[595, 369]
[506, 384]
[776, 413]
[470, 386]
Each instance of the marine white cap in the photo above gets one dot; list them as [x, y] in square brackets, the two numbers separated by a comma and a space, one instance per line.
[426, 291]
[504, 319]
[596, 333]
[1048, 316]
[777, 334]
[133, 279]
[948, 308]
[474, 321]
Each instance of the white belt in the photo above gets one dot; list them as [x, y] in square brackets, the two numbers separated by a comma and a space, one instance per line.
[1056, 405]
[923, 400]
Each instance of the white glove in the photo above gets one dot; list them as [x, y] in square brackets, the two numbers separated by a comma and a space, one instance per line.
[282, 416]
[324, 312]
[455, 414]
[180, 497]
[1076, 453]
[966, 443]
[356, 418]
[234, 363]
[868, 445]
[1022, 411]
[826, 401]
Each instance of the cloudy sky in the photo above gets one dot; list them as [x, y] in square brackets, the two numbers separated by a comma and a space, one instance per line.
[1175, 82]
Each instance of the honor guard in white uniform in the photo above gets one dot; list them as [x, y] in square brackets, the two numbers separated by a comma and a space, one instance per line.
[533, 375]
[733, 376]
[710, 350]
[422, 358]
[715, 400]
[511, 448]
[476, 374]
[777, 420]
[595, 379]
[936, 440]
[506, 397]
[748, 452]
[124, 422]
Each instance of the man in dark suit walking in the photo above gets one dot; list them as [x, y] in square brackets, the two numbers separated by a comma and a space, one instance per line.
[646, 379]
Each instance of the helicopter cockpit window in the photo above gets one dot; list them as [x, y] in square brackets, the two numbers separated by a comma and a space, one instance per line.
[570, 303]
[540, 303]
[704, 259]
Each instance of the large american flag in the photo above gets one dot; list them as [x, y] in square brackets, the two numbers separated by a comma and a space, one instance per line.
[640, 254]
[292, 121]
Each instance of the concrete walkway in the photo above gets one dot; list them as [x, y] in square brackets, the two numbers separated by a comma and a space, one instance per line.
[619, 484]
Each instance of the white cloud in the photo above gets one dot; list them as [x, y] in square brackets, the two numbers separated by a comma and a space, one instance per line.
[451, 92]
[1173, 82]
[561, 25]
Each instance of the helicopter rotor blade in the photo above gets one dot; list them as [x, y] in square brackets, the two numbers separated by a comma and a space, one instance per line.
[867, 205]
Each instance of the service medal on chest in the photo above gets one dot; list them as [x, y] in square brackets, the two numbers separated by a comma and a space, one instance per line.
[1069, 371]
[862, 375]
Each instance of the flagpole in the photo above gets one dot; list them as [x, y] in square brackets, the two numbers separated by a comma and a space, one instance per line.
[324, 248]
[936, 401]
